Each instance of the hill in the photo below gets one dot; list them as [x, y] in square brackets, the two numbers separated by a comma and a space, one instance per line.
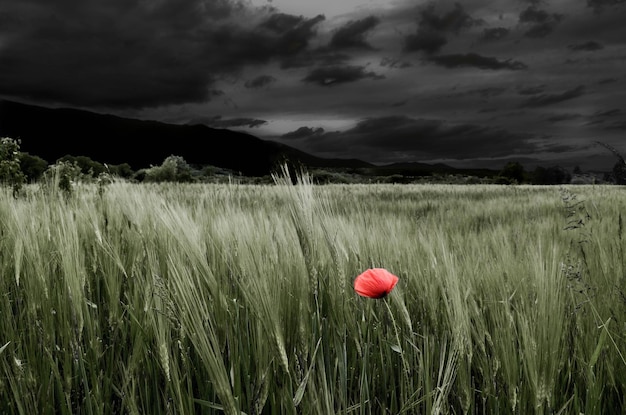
[51, 133]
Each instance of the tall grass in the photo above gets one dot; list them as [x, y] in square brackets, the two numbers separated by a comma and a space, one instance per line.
[238, 299]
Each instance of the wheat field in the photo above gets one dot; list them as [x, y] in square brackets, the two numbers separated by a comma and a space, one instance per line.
[238, 299]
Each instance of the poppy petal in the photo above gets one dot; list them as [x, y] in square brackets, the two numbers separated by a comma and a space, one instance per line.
[375, 283]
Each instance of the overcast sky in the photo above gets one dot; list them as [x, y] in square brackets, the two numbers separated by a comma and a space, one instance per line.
[473, 83]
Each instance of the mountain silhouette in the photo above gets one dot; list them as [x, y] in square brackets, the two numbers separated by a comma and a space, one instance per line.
[52, 133]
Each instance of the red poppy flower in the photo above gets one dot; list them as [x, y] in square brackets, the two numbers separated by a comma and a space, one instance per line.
[375, 283]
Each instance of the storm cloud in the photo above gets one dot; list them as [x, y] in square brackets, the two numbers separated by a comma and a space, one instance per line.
[352, 35]
[424, 40]
[451, 21]
[541, 100]
[333, 75]
[477, 61]
[303, 132]
[220, 122]
[586, 46]
[601, 5]
[356, 78]
[137, 54]
[540, 22]
[494, 33]
[260, 81]
[423, 139]
[433, 28]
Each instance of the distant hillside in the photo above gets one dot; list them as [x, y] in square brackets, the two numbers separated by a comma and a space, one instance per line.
[424, 169]
[53, 133]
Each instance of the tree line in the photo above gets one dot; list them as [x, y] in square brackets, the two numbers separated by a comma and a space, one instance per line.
[18, 168]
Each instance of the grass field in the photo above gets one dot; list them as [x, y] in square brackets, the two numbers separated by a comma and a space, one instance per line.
[183, 299]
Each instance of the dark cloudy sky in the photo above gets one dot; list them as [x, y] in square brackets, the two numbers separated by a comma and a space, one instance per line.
[468, 83]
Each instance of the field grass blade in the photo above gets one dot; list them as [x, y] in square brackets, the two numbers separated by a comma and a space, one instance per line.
[300, 391]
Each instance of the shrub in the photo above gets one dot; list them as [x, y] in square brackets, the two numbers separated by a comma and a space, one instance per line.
[87, 166]
[10, 172]
[32, 166]
[63, 175]
[618, 173]
[513, 172]
[173, 169]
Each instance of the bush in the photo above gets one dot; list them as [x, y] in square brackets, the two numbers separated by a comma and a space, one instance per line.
[173, 169]
[10, 171]
[513, 173]
[63, 175]
[33, 167]
[123, 170]
[88, 167]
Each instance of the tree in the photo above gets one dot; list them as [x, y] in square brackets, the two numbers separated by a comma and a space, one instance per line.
[33, 167]
[551, 175]
[173, 169]
[121, 170]
[513, 171]
[87, 166]
[63, 175]
[10, 172]
[539, 176]
[618, 174]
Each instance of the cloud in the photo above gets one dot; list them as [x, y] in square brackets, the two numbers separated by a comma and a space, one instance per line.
[486, 92]
[303, 132]
[422, 139]
[399, 103]
[563, 117]
[310, 58]
[352, 35]
[540, 30]
[452, 21]
[424, 40]
[394, 63]
[534, 15]
[282, 23]
[608, 113]
[531, 90]
[477, 61]
[605, 81]
[219, 122]
[260, 81]
[606, 118]
[131, 54]
[495, 33]
[293, 34]
[280, 36]
[332, 75]
[433, 28]
[620, 125]
[600, 5]
[541, 22]
[587, 46]
[549, 99]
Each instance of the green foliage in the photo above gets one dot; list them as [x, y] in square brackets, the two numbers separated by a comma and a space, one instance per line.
[123, 170]
[173, 169]
[514, 172]
[332, 177]
[88, 167]
[10, 171]
[550, 176]
[33, 167]
[618, 172]
[63, 176]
